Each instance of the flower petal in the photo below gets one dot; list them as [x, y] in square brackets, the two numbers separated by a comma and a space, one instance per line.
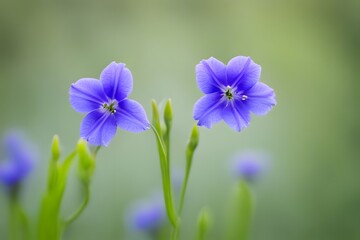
[210, 75]
[117, 81]
[242, 72]
[9, 174]
[20, 159]
[207, 110]
[98, 128]
[236, 115]
[86, 95]
[260, 98]
[131, 116]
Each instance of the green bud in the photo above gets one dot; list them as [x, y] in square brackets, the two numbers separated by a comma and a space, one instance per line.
[55, 148]
[156, 117]
[86, 162]
[54, 163]
[191, 146]
[194, 138]
[168, 115]
[204, 223]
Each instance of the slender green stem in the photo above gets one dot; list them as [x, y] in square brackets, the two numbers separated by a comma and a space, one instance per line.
[83, 205]
[97, 150]
[189, 157]
[167, 147]
[13, 223]
[24, 222]
[160, 141]
[183, 191]
[175, 233]
[18, 221]
[241, 212]
[169, 203]
[48, 223]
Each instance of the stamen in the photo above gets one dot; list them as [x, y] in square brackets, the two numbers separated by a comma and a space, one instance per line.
[229, 93]
[110, 107]
[244, 97]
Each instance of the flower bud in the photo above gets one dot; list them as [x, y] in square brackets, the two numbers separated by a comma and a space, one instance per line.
[55, 148]
[86, 162]
[194, 138]
[168, 114]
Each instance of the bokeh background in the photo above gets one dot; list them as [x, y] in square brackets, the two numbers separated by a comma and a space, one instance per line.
[309, 52]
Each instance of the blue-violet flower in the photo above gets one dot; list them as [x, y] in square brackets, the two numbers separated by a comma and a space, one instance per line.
[232, 92]
[249, 165]
[107, 105]
[148, 215]
[19, 160]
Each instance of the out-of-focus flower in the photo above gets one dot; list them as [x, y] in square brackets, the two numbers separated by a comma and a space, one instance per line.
[250, 165]
[19, 160]
[231, 91]
[107, 105]
[147, 216]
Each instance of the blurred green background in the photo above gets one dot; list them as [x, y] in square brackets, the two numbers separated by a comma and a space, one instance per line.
[309, 52]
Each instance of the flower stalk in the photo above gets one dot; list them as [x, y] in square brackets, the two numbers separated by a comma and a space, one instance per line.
[204, 223]
[241, 212]
[18, 221]
[190, 149]
[165, 168]
[49, 224]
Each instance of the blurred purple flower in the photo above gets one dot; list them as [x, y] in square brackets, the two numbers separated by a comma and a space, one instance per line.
[107, 105]
[147, 216]
[18, 162]
[231, 91]
[249, 165]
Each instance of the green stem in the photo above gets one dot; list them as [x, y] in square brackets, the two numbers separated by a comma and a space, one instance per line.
[167, 147]
[183, 191]
[24, 222]
[18, 221]
[96, 150]
[190, 149]
[169, 203]
[175, 233]
[83, 205]
[241, 210]
[13, 223]
[48, 223]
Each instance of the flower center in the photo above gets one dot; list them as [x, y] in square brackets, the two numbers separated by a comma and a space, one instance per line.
[229, 93]
[111, 107]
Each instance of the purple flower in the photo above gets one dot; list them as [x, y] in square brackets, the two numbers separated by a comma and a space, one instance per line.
[147, 216]
[107, 105]
[232, 92]
[249, 165]
[18, 162]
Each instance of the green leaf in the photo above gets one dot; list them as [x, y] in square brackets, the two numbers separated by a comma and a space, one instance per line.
[49, 224]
